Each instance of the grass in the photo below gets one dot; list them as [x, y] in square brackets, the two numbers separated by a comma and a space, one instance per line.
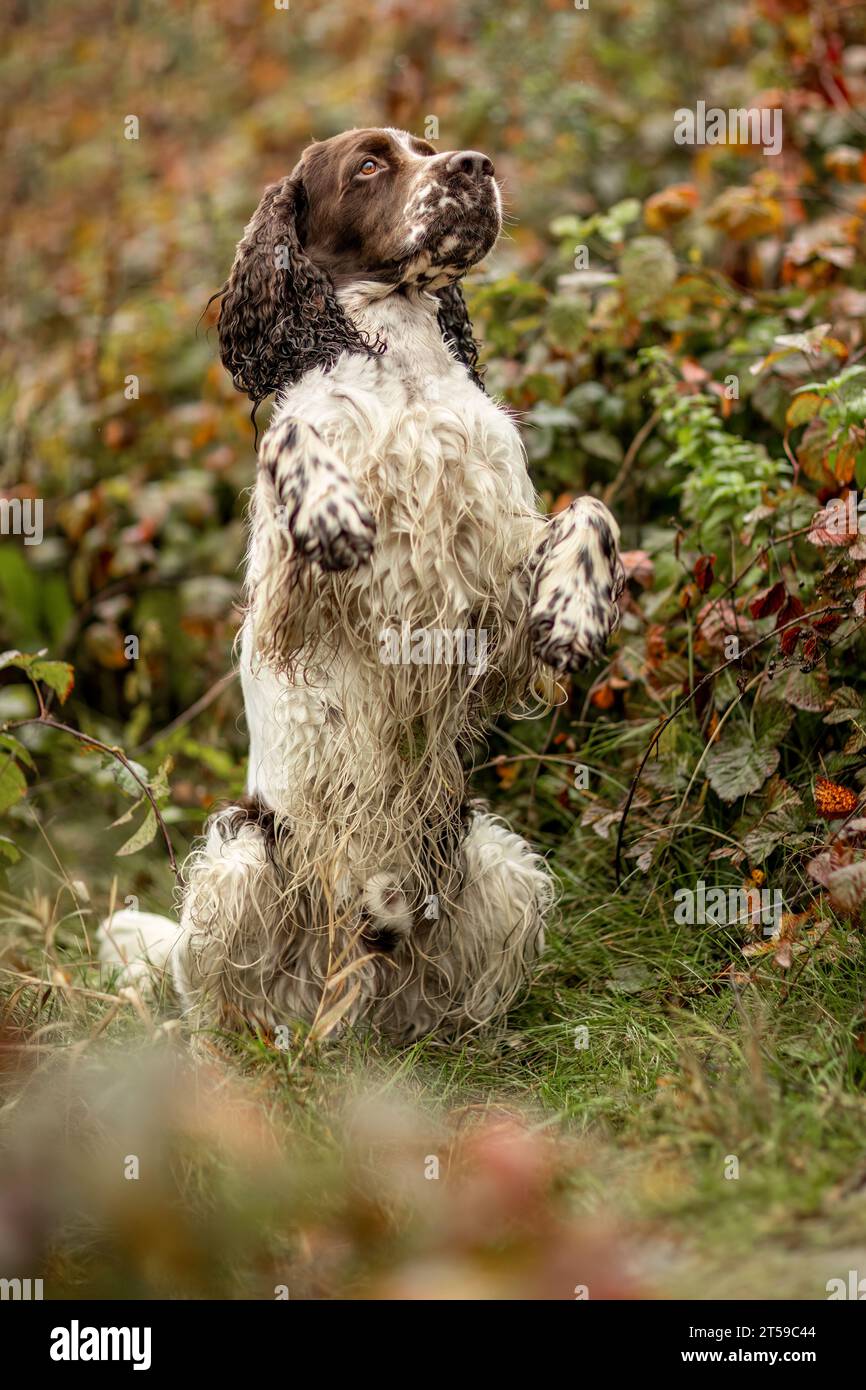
[624, 1132]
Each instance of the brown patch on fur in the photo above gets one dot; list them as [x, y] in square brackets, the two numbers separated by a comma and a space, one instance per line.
[251, 810]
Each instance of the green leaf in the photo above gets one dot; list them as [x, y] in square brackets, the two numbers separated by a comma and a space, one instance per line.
[159, 781]
[58, 675]
[802, 409]
[12, 783]
[741, 762]
[612, 223]
[143, 835]
[846, 706]
[649, 271]
[124, 779]
[738, 767]
[566, 322]
[9, 850]
[602, 445]
[778, 821]
[17, 750]
[13, 658]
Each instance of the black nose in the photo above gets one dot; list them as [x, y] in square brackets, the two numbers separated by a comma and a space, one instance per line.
[470, 162]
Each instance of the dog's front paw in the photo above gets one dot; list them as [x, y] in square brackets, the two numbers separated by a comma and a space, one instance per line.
[577, 580]
[335, 529]
[320, 505]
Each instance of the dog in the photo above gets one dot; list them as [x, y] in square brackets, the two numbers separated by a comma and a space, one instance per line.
[402, 590]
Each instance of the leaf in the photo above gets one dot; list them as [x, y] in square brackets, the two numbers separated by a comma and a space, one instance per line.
[143, 835]
[9, 850]
[738, 766]
[566, 321]
[12, 783]
[768, 601]
[638, 565]
[669, 206]
[58, 675]
[773, 719]
[159, 781]
[611, 224]
[17, 750]
[13, 658]
[704, 574]
[779, 818]
[649, 271]
[845, 706]
[847, 887]
[791, 609]
[744, 213]
[741, 763]
[803, 409]
[602, 445]
[806, 690]
[631, 978]
[124, 778]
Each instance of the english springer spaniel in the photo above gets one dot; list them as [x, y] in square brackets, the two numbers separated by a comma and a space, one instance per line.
[403, 589]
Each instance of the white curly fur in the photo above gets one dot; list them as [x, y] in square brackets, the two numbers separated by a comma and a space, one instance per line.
[391, 491]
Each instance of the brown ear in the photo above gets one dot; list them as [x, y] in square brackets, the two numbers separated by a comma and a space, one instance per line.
[279, 315]
[456, 326]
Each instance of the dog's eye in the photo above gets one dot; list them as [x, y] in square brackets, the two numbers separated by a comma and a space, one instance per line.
[369, 167]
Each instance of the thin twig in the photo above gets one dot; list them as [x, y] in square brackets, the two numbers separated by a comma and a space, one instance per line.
[194, 710]
[46, 721]
[631, 454]
[687, 699]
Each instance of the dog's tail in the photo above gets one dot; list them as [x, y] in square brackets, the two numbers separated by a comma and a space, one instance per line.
[142, 943]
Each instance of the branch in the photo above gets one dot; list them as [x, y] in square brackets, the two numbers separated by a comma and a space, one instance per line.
[46, 722]
[632, 452]
[687, 699]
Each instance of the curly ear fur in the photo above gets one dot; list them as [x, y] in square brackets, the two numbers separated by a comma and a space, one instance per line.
[279, 315]
[456, 325]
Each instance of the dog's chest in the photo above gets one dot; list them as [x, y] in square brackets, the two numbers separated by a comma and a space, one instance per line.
[412, 426]
[440, 466]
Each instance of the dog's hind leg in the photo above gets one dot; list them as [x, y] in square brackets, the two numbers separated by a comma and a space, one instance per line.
[469, 967]
[141, 944]
[256, 948]
[233, 921]
[499, 919]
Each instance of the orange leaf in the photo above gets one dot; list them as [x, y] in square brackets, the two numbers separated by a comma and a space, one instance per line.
[833, 801]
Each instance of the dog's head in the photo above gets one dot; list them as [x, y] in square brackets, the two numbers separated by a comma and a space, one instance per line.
[374, 206]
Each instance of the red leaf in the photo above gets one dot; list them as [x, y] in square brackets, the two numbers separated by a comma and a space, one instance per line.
[792, 609]
[704, 575]
[768, 601]
[826, 622]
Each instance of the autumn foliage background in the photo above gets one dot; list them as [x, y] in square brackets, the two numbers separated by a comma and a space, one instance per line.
[701, 364]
